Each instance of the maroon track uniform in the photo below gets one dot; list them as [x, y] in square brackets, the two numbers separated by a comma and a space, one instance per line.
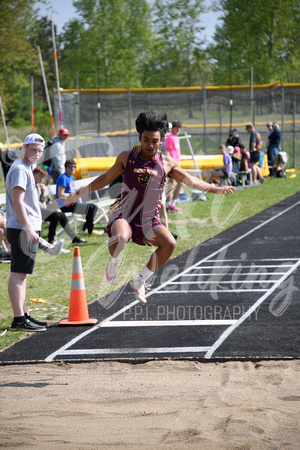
[141, 195]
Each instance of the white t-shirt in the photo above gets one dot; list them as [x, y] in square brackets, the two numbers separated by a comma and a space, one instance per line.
[20, 174]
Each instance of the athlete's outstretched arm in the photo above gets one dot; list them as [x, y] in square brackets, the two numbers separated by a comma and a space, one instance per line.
[184, 177]
[101, 181]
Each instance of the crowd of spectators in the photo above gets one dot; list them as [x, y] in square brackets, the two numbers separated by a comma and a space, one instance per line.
[248, 160]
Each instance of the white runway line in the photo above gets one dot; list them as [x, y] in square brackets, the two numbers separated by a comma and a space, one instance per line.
[229, 330]
[210, 350]
[131, 350]
[166, 323]
[206, 291]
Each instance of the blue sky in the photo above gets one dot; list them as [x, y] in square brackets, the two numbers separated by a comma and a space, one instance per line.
[64, 11]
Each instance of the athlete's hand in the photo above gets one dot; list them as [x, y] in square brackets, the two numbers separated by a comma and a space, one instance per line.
[226, 190]
[71, 199]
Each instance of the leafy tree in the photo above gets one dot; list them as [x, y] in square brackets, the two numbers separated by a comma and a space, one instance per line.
[177, 57]
[111, 38]
[18, 58]
[262, 34]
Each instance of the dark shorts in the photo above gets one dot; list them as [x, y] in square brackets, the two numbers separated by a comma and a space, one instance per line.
[23, 254]
[139, 234]
[254, 157]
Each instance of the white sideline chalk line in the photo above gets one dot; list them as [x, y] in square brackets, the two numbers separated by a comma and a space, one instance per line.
[86, 333]
[224, 282]
[130, 350]
[207, 258]
[255, 259]
[229, 330]
[166, 323]
[206, 291]
[230, 274]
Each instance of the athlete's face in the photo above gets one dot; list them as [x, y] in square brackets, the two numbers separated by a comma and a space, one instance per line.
[150, 142]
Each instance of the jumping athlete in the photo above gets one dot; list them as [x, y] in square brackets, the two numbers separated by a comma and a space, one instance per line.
[135, 214]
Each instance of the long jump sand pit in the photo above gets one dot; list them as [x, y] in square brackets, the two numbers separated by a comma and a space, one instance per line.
[172, 404]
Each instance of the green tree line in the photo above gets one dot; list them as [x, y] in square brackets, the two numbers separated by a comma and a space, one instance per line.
[140, 43]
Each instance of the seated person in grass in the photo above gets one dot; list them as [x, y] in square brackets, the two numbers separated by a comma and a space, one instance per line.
[136, 214]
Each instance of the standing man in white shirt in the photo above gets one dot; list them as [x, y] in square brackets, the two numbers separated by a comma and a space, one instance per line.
[58, 154]
[24, 222]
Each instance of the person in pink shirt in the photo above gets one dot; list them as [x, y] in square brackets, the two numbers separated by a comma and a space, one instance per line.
[172, 148]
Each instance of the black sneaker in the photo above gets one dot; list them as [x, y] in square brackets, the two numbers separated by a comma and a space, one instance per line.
[78, 240]
[36, 322]
[26, 326]
[90, 227]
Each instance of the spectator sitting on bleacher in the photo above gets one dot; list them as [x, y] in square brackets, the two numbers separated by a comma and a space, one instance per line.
[245, 161]
[235, 158]
[221, 172]
[48, 215]
[65, 186]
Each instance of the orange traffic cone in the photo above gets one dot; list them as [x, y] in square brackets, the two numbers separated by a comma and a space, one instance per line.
[78, 310]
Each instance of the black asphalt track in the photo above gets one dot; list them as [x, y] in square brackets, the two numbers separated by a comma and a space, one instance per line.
[235, 296]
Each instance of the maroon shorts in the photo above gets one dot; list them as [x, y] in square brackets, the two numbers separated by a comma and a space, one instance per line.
[139, 233]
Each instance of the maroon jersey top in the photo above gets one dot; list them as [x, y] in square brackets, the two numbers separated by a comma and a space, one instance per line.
[142, 188]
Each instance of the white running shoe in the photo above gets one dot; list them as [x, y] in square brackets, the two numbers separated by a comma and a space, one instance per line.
[64, 251]
[112, 270]
[139, 289]
[55, 249]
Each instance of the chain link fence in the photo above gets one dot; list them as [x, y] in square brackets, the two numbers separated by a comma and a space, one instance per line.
[102, 122]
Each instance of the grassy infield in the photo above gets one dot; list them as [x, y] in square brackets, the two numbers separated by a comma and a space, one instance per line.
[51, 280]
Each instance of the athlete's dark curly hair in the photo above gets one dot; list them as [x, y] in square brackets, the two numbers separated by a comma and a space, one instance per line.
[151, 121]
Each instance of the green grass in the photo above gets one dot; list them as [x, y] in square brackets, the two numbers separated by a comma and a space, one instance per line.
[51, 280]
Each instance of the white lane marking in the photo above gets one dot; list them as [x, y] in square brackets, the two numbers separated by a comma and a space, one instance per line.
[87, 332]
[166, 323]
[243, 266]
[225, 282]
[229, 330]
[82, 335]
[208, 291]
[207, 258]
[124, 351]
[230, 274]
[255, 259]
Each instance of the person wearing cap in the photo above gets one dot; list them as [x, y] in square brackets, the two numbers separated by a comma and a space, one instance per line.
[58, 154]
[233, 138]
[23, 227]
[274, 145]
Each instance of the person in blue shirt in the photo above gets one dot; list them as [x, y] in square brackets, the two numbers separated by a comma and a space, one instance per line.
[65, 186]
[274, 144]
